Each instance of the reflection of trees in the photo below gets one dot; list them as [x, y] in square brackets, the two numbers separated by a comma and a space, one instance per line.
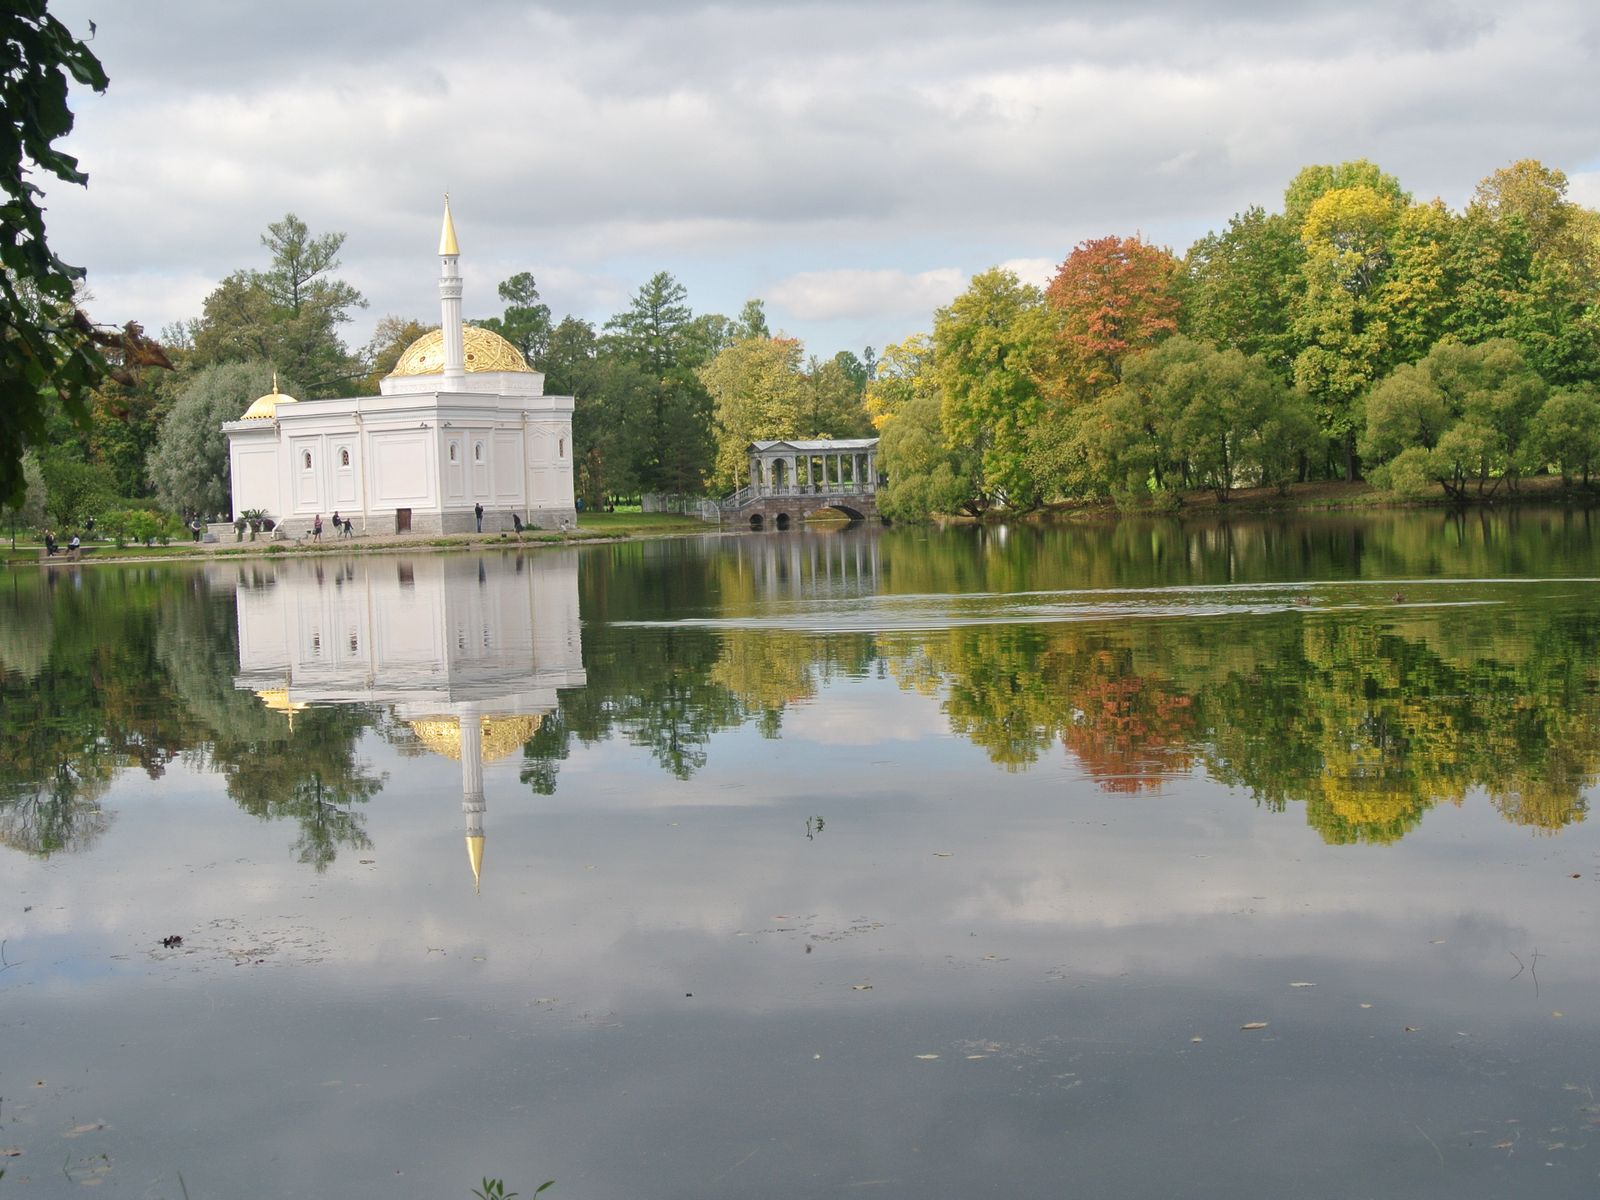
[305, 771]
[1367, 726]
[58, 812]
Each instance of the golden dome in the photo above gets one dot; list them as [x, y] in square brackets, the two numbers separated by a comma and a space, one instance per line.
[482, 349]
[501, 735]
[266, 407]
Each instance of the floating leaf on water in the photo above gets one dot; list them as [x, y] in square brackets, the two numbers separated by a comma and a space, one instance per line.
[1254, 1025]
[1436, 941]
[927, 1057]
[1302, 983]
[80, 1130]
[1366, 1006]
[943, 854]
[1197, 1039]
[972, 1057]
[10, 1152]
[1413, 1028]
[1556, 1014]
[860, 987]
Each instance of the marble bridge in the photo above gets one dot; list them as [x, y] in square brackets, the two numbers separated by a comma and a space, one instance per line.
[793, 480]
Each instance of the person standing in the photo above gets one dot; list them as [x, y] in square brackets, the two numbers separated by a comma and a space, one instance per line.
[477, 511]
[194, 527]
[316, 528]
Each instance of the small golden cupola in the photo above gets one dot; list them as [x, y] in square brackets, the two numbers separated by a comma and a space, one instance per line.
[265, 407]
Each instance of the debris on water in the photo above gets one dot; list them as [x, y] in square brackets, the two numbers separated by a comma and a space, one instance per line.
[1365, 1005]
[927, 1057]
[1575, 875]
[1302, 984]
[1254, 1025]
[1413, 1029]
[172, 941]
[11, 1152]
[367, 862]
[860, 987]
[688, 995]
[1556, 1014]
[1436, 942]
[1197, 1039]
[943, 854]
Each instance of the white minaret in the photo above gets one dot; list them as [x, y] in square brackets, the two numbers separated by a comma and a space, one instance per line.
[455, 363]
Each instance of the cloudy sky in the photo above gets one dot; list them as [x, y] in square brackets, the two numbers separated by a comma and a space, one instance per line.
[850, 164]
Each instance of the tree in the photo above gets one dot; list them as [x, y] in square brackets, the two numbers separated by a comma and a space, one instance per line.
[525, 322]
[189, 465]
[759, 393]
[1566, 432]
[1460, 416]
[1314, 182]
[288, 315]
[391, 337]
[1238, 287]
[832, 404]
[47, 353]
[29, 512]
[988, 343]
[654, 333]
[1346, 239]
[1116, 297]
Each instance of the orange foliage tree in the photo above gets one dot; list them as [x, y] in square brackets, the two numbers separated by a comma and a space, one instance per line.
[1115, 296]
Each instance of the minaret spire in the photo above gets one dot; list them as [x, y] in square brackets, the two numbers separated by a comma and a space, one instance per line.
[455, 370]
[472, 805]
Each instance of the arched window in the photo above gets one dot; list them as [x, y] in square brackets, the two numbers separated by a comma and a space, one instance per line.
[305, 460]
[452, 452]
[561, 447]
[344, 458]
[477, 451]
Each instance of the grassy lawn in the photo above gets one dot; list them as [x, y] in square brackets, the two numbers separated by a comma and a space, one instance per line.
[637, 522]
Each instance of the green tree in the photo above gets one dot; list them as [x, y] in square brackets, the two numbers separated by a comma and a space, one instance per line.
[29, 512]
[189, 464]
[289, 315]
[675, 439]
[1565, 432]
[759, 393]
[1311, 183]
[988, 343]
[48, 356]
[391, 337]
[525, 322]
[1460, 416]
[1239, 287]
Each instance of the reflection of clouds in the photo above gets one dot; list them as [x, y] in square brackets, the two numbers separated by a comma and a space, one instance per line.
[859, 718]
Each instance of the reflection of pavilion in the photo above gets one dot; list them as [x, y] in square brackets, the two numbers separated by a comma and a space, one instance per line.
[469, 652]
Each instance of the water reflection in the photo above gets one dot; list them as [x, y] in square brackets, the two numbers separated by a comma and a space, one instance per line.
[1361, 669]
[462, 657]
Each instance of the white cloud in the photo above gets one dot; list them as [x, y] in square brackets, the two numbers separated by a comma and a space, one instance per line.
[849, 292]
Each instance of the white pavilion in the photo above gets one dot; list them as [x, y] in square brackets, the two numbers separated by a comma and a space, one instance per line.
[461, 421]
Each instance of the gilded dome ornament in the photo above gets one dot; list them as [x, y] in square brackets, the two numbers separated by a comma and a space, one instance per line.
[502, 736]
[483, 350]
[266, 407]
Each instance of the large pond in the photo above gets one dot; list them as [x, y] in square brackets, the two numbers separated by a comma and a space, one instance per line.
[1164, 859]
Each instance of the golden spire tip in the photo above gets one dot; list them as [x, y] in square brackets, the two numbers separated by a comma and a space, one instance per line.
[447, 233]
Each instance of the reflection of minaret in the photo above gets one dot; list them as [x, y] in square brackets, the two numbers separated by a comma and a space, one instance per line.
[472, 804]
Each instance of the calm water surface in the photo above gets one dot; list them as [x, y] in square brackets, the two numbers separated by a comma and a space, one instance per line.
[1162, 860]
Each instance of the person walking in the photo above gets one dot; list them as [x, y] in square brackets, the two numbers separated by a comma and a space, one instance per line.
[316, 528]
[194, 527]
[338, 525]
[477, 511]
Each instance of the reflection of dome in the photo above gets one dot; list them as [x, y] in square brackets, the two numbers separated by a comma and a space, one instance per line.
[483, 350]
[501, 735]
[266, 407]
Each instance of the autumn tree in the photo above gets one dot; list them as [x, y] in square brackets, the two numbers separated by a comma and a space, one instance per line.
[1115, 297]
[758, 392]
